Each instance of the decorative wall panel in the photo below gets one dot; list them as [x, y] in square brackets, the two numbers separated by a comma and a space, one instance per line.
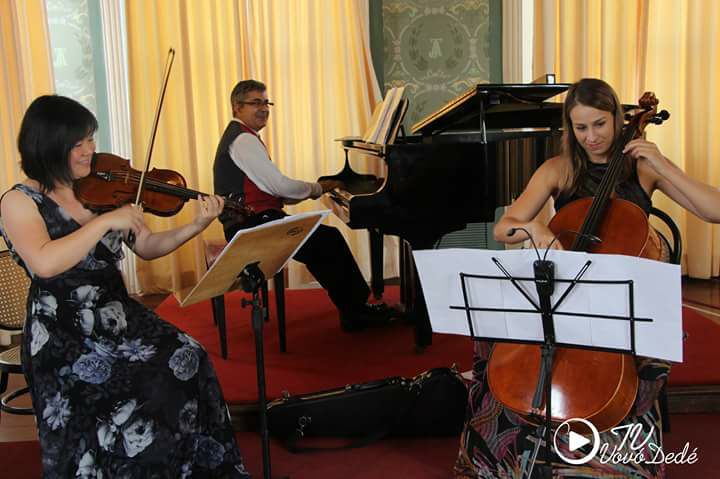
[437, 49]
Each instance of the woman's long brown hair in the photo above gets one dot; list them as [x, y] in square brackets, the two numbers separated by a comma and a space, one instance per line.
[594, 93]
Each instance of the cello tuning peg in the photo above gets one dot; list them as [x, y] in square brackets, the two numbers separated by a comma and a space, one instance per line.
[660, 117]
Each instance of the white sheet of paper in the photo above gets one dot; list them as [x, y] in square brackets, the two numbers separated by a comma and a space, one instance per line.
[656, 294]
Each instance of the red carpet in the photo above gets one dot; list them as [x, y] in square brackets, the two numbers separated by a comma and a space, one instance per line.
[406, 458]
[320, 355]
[401, 458]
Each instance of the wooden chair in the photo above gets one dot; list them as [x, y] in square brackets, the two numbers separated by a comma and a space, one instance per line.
[14, 285]
[213, 248]
[674, 243]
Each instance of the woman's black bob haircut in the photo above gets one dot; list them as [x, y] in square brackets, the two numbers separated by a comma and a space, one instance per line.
[51, 127]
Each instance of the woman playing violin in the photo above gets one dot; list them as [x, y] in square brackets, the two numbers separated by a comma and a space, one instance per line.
[495, 441]
[116, 390]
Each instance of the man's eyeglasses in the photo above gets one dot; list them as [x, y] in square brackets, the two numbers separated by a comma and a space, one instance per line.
[258, 103]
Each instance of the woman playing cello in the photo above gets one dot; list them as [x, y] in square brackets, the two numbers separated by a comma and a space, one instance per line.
[495, 441]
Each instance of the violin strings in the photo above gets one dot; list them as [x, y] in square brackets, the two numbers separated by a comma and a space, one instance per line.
[136, 177]
[170, 188]
[165, 187]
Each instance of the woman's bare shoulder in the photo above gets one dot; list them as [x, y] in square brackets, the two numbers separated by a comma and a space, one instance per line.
[558, 163]
[556, 170]
[16, 199]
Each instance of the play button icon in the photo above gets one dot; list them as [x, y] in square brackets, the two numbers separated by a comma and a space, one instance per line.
[567, 439]
[577, 441]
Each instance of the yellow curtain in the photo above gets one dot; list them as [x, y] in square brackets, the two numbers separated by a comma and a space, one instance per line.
[25, 73]
[668, 47]
[314, 58]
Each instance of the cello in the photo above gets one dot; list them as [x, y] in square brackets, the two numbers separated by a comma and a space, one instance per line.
[604, 225]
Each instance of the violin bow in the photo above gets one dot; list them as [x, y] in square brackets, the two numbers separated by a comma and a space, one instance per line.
[161, 98]
[148, 155]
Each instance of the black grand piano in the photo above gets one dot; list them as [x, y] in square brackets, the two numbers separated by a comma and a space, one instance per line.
[473, 155]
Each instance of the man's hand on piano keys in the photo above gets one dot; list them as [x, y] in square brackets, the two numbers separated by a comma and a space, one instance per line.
[328, 185]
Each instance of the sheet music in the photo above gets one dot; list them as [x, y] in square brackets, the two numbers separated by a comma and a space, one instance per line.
[656, 295]
[383, 123]
[374, 120]
[398, 120]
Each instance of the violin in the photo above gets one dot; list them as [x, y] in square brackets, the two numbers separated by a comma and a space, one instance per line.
[598, 386]
[112, 183]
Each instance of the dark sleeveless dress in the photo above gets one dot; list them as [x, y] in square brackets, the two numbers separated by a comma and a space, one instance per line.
[629, 189]
[496, 443]
[117, 391]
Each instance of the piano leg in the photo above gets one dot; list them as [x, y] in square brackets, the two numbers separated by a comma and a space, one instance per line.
[412, 294]
[377, 280]
[402, 251]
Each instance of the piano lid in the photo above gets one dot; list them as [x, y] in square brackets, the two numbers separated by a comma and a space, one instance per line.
[513, 105]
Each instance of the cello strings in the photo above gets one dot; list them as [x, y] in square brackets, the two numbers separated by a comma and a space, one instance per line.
[607, 185]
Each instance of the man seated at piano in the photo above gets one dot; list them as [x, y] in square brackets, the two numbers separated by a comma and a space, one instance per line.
[243, 166]
[593, 122]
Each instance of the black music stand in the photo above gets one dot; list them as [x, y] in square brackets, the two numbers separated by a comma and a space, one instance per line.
[257, 253]
[544, 280]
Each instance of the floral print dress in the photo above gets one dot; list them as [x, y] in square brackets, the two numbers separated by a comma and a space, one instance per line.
[117, 391]
[497, 444]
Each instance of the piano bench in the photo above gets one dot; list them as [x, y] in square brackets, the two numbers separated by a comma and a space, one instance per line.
[213, 248]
